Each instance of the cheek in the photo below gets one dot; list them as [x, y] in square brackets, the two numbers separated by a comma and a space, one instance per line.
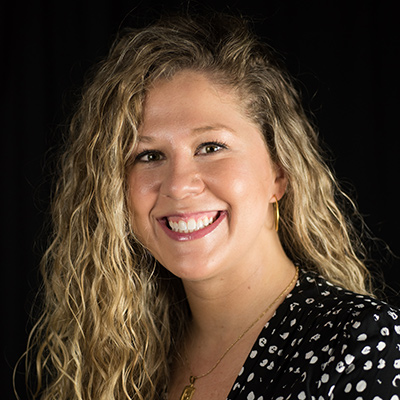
[250, 180]
[251, 188]
[141, 194]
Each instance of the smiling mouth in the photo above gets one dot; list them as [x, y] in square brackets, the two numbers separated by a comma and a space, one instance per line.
[188, 224]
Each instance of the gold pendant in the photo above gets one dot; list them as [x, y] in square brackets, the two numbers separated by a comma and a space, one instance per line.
[188, 392]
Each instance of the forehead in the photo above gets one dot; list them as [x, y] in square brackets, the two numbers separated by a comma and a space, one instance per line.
[192, 98]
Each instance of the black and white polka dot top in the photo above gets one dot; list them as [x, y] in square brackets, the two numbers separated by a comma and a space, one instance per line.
[323, 343]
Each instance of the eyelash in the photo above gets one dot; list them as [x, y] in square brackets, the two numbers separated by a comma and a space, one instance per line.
[144, 153]
[216, 143]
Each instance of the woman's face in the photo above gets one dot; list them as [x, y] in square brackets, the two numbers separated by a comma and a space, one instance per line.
[202, 184]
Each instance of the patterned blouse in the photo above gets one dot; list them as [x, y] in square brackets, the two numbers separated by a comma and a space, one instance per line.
[323, 343]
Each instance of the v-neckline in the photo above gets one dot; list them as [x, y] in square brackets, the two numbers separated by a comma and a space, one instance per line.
[266, 331]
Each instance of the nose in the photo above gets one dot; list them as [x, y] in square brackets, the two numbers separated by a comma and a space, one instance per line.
[182, 179]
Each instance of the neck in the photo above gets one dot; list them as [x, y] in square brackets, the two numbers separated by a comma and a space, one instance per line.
[223, 309]
[228, 314]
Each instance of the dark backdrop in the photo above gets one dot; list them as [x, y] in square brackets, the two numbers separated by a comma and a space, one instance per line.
[343, 54]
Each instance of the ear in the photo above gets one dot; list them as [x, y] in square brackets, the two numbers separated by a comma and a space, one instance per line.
[280, 183]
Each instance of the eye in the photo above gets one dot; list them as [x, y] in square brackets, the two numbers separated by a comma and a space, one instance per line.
[211, 147]
[149, 156]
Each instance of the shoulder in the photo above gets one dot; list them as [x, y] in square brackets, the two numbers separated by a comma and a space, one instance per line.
[325, 342]
[316, 294]
[358, 335]
[321, 304]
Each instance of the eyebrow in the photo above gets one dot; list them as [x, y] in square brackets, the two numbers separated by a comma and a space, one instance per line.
[218, 127]
[196, 131]
[145, 138]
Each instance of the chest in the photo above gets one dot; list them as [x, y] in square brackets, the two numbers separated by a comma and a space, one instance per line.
[210, 387]
[215, 385]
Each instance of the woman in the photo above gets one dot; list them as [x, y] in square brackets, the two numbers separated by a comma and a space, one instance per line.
[199, 248]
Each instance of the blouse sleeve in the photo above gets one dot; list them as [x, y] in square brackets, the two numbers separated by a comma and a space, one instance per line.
[369, 365]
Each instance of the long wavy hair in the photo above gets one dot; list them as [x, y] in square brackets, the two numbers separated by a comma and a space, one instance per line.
[111, 314]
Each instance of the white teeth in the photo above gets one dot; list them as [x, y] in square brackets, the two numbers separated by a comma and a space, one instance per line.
[200, 224]
[191, 225]
[182, 226]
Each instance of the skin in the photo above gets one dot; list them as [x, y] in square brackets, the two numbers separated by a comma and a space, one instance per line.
[198, 152]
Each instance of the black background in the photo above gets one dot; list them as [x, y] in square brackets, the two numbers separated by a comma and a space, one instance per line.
[344, 55]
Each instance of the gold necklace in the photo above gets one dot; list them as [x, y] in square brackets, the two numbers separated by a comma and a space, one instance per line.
[189, 390]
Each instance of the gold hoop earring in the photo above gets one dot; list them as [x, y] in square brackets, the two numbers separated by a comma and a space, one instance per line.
[276, 214]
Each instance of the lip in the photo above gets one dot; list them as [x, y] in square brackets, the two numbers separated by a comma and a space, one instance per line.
[181, 237]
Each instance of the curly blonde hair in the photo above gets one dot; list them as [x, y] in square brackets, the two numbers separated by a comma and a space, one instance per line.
[111, 314]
